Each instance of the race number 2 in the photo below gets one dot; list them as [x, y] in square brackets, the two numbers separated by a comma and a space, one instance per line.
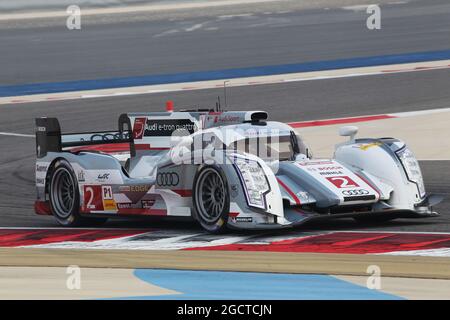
[342, 182]
[93, 198]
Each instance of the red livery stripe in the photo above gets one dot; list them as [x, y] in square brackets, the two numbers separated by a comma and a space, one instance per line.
[370, 184]
[107, 148]
[148, 147]
[289, 191]
[142, 212]
[184, 193]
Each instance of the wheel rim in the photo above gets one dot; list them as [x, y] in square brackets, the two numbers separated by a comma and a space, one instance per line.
[63, 192]
[211, 195]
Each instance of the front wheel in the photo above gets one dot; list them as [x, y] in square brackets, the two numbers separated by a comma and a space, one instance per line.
[65, 197]
[211, 199]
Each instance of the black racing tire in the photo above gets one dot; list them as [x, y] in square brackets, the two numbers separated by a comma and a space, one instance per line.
[211, 199]
[65, 197]
[373, 220]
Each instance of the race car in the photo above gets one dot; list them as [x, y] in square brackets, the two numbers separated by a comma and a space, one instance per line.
[225, 169]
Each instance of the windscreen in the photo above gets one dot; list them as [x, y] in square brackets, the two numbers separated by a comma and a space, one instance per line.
[272, 148]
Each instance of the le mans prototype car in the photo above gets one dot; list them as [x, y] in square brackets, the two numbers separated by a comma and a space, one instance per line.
[225, 169]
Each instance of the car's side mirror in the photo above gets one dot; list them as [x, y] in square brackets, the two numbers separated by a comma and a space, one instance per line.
[348, 131]
[300, 157]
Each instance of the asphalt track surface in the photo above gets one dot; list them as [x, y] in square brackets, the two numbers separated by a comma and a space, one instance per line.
[266, 34]
[126, 48]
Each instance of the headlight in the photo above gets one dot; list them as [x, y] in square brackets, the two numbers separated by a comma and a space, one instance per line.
[412, 169]
[254, 180]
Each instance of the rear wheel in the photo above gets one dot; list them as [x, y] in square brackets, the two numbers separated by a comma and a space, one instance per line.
[65, 197]
[211, 199]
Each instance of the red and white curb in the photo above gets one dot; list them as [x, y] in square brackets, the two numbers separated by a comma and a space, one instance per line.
[250, 81]
[345, 242]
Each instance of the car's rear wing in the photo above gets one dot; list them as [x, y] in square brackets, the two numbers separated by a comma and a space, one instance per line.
[50, 139]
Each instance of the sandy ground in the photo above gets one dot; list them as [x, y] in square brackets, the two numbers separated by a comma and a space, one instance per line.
[281, 262]
[424, 134]
[25, 283]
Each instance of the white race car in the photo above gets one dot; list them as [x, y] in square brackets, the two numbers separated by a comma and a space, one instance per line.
[224, 169]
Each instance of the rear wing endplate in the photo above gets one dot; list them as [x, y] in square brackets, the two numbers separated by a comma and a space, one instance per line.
[50, 139]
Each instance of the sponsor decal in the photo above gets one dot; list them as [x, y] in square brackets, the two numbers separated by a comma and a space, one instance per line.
[315, 163]
[135, 192]
[107, 193]
[107, 198]
[124, 205]
[40, 181]
[140, 188]
[355, 192]
[138, 128]
[226, 118]
[147, 204]
[103, 177]
[167, 179]
[92, 198]
[41, 168]
[330, 168]
[342, 182]
[81, 177]
[243, 219]
[125, 188]
[167, 126]
[41, 129]
[331, 173]
[367, 146]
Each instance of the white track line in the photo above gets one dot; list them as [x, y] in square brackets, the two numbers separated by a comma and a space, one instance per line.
[418, 113]
[132, 9]
[17, 134]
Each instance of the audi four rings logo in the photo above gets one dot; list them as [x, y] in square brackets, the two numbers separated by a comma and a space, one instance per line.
[356, 192]
[169, 179]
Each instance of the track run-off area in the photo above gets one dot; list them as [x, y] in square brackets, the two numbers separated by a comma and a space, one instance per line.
[316, 68]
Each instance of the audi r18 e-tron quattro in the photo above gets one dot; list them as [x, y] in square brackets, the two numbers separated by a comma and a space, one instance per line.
[224, 169]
